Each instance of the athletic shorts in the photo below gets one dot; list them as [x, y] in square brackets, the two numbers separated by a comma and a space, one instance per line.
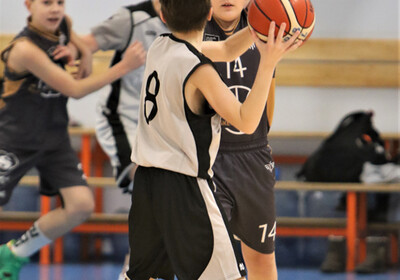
[58, 168]
[115, 134]
[176, 227]
[245, 187]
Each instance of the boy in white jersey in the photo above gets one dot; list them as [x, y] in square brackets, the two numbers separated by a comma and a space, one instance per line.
[176, 225]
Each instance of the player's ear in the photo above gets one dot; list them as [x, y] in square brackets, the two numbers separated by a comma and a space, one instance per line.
[162, 17]
[28, 4]
[210, 13]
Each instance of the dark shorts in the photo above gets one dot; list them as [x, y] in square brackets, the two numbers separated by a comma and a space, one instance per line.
[58, 168]
[176, 227]
[245, 186]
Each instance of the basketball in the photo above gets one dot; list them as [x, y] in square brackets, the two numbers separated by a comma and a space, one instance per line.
[297, 14]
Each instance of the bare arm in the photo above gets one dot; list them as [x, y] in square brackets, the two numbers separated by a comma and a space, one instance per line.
[246, 116]
[90, 42]
[76, 50]
[85, 56]
[229, 49]
[25, 56]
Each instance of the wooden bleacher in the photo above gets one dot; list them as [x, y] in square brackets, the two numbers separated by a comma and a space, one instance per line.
[319, 63]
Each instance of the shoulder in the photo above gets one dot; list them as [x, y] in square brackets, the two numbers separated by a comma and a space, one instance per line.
[146, 7]
[23, 47]
[22, 52]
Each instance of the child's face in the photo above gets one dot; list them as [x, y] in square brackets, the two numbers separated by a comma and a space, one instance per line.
[228, 10]
[46, 14]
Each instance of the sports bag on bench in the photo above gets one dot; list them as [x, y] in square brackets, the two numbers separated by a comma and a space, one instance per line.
[341, 156]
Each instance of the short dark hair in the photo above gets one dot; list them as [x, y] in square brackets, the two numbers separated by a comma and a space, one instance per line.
[185, 15]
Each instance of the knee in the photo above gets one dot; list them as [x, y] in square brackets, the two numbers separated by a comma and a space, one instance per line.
[81, 207]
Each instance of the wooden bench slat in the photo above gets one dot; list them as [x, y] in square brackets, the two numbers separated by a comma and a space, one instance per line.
[95, 218]
[310, 222]
[109, 182]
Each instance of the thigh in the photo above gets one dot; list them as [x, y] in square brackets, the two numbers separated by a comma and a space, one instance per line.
[115, 135]
[60, 168]
[249, 179]
[194, 230]
[14, 163]
[148, 256]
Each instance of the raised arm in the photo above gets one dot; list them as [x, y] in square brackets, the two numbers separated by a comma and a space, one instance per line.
[246, 116]
[91, 42]
[25, 56]
[229, 49]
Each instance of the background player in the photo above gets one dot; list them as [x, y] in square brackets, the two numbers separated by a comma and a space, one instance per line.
[118, 109]
[244, 169]
[33, 121]
[176, 144]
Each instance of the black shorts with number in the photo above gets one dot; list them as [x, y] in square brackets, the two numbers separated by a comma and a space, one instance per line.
[176, 227]
[58, 168]
[245, 182]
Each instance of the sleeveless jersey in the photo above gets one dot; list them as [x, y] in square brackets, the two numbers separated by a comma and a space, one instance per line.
[132, 23]
[239, 76]
[169, 135]
[33, 115]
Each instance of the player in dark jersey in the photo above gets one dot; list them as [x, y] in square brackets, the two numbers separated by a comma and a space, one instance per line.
[33, 121]
[244, 169]
[176, 224]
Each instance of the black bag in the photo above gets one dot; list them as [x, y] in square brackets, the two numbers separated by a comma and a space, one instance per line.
[341, 156]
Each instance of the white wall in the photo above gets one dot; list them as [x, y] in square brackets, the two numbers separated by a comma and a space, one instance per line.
[298, 108]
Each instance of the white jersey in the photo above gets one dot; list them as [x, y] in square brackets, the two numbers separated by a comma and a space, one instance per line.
[118, 107]
[169, 135]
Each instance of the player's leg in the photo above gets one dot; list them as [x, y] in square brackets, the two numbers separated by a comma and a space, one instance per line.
[60, 174]
[259, 266]
[114, 133]
[245, 186]
[111, 133]
[78, 205]
[194, 231]
[148, 257]
[14, 164]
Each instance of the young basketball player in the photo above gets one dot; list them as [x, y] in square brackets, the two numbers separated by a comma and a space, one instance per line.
[117, 113]
[244, 169]
[176, 225]
[33, 121]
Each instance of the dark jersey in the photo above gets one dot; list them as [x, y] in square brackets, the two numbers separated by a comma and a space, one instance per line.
[33, 115]
[239, 76]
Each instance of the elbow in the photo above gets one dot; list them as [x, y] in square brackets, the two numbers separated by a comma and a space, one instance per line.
[248, 129]
[73, 94]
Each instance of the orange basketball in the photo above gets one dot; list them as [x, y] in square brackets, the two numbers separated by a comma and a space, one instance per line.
[297, 14]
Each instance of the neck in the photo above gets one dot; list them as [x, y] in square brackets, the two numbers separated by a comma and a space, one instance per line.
[227, 26]
[194, 37]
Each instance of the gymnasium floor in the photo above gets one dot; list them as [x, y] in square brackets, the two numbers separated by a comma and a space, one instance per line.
[109, 271]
